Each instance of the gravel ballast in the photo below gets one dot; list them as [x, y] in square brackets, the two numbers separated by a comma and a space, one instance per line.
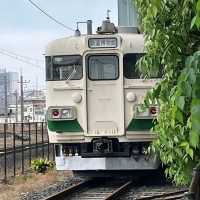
[50, 190]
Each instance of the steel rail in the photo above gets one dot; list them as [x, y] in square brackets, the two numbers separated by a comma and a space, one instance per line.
[67, 191]
[119, 191]
[180, 196]
[168, 195]
[70, 190]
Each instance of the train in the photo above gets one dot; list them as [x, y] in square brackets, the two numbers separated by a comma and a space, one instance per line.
[94, 97]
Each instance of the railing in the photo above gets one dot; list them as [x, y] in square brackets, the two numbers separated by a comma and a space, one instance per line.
[20, 143]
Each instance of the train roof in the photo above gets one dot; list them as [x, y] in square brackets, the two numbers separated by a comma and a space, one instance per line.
[78, 45]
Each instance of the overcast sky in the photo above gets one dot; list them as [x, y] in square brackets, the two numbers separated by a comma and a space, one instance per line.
[26, 31]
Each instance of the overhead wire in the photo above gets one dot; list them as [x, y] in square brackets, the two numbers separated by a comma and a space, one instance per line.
[51, 17]
[26, 59]
[22, 56]
[21, 59]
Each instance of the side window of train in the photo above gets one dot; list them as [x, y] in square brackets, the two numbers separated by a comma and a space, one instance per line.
[103, 67]
[129, 62]
[48, 68]
[130, 69]
[64, 68]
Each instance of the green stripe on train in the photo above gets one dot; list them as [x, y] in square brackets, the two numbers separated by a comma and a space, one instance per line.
[140, 124]
[65, 126]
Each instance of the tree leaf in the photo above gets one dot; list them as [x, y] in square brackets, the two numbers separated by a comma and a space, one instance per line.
[198, 6]
[193, 22]
[194, 139]
[180, 101]
[179, 116]
[195, 120]
[183, 144]
[197, 21]
[190, 152]
[195, 107]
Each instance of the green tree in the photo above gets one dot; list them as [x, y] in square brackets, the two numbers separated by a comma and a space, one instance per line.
[172, 40]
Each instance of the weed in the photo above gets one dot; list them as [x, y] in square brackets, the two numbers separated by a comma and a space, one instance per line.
[41, 165]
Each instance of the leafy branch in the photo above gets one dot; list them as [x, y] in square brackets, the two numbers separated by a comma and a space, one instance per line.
[171, 30]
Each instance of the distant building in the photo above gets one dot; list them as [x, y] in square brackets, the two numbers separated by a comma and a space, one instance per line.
[34, 108]
[12, 86]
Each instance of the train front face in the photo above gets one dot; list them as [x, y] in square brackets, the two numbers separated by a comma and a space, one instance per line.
[94, 93]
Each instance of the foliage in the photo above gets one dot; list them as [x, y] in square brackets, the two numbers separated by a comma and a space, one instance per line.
[41, 165]
[172, 42]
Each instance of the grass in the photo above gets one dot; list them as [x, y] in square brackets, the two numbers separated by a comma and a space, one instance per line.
[30, 182]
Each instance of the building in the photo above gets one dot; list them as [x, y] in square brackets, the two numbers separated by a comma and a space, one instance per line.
[34, 108]
[9, 82]
[34, 100]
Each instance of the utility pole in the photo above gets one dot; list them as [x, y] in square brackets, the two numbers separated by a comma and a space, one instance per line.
[16, 106]
[22, 97]
[36, 86]
[22, 82]
[6, 96]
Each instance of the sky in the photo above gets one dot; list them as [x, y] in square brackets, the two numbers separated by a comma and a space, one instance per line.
[24, 30]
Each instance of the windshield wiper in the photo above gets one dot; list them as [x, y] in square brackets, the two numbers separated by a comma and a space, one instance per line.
[72, 74]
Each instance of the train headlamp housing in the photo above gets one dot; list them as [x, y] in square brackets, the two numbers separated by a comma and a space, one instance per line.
[146, 112]
[61, 113]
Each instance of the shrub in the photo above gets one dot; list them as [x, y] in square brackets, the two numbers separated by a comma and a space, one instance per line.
[41, 165]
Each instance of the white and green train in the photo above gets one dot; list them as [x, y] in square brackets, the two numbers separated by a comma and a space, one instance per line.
[94, 92]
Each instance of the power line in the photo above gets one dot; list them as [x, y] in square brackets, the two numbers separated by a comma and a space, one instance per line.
[22, 56]
[21, 59]
[49, 16]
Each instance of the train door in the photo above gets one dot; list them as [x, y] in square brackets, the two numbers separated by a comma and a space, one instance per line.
[104, 96]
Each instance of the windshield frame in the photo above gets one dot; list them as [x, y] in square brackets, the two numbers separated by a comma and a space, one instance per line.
[50, 67]
[101, 55]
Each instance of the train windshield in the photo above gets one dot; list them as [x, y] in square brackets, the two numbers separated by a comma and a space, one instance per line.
[130, 69]
[103, 67]
[64, 68]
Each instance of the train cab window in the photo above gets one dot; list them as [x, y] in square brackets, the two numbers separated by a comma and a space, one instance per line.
[48, 68]
[129, 62]
[103, 67]
[130, 69]
[64, 68]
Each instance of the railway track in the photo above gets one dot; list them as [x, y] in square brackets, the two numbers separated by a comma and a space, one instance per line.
[164, 196]
[98, 189]
[93, 190]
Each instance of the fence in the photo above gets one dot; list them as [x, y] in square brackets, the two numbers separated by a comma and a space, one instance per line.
[20, 143]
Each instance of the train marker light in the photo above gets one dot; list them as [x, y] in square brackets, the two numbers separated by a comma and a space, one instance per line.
[145, 112]
[62, 113]
[55, 113]
[153, 110]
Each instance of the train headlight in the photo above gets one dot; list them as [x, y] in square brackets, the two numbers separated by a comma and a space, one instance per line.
[68, 113]
[62, 113]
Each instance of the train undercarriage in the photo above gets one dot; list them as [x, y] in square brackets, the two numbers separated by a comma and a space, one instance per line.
[105, 154]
